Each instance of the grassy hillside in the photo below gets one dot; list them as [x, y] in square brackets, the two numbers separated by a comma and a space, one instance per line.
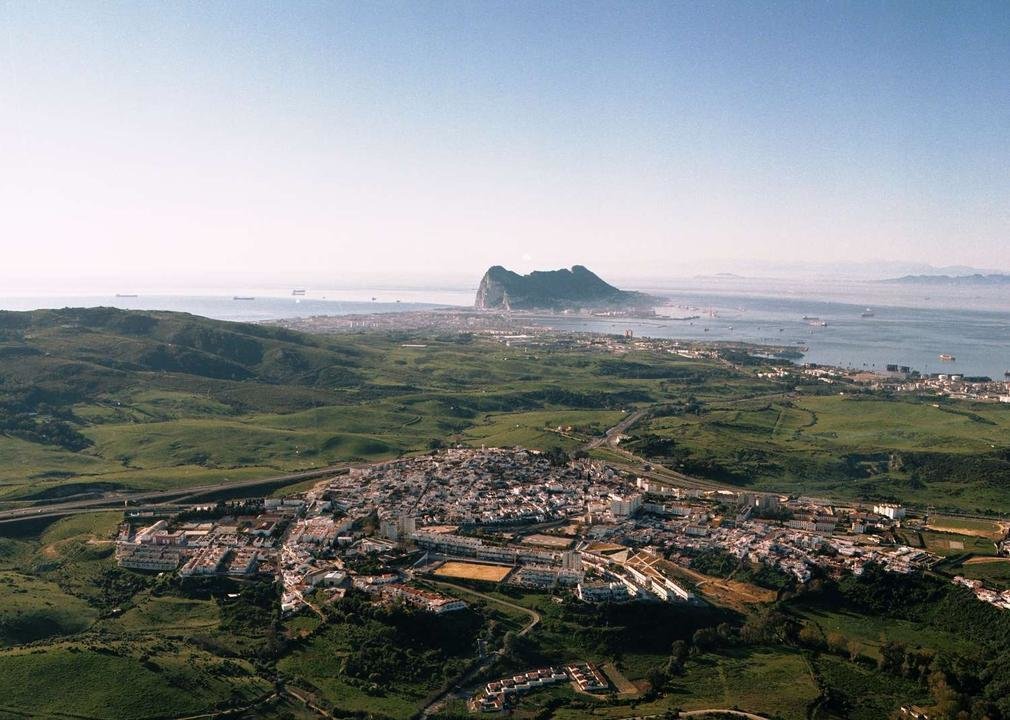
[103, 399]
[924, 451]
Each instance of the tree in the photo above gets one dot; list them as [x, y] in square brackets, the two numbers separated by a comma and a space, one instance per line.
[811, 636]
[656, 679]
[892, 656]
[838, 643]
[557, 456]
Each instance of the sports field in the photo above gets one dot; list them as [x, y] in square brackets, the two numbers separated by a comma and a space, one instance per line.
[978, 527]
[473, 571]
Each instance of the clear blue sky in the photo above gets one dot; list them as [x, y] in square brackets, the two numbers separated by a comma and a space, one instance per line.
[638, 138]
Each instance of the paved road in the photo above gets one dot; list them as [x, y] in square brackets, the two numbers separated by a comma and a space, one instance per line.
[117, 499]
[612, 435]
[703, 714]
[461, 687]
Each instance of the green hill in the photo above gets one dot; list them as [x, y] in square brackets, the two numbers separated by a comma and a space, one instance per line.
[95, 400]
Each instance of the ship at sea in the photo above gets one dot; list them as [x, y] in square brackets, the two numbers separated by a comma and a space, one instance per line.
[867, 313]
[297, 292]
[242, 297]
[126, 295]
[947, 358]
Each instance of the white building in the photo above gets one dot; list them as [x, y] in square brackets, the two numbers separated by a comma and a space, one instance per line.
[894, 512]
[601, 592]
[625, 505]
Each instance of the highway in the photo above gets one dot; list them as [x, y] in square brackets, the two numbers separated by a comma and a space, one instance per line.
[613, 435]
[155, 497]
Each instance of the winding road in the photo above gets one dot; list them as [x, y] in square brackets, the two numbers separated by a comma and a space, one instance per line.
[459, 689]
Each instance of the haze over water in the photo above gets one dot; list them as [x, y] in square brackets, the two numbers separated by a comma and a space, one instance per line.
[910, 325]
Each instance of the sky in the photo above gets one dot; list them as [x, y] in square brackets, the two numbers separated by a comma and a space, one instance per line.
[431, 140]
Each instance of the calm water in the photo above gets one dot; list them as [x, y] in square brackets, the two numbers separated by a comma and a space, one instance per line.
[227, 308]
[978, 339]
[910, 326]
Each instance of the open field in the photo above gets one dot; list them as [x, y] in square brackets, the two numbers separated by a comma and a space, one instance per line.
[729, 593]
[110, 682]
[155, 400]
[550, 541]
[856, 447]
[870, 631]
[774, 682]
[865, 694]
[473, 571]
[158, 400]
[541, 429]
[953, 544]
[33, 609]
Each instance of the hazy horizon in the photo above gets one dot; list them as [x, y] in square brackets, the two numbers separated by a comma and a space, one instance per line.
[654, 140]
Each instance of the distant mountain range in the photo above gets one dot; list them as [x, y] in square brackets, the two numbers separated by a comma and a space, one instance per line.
[554, 290]
[975, 279]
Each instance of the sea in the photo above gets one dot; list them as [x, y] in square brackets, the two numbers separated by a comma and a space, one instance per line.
[845, 323]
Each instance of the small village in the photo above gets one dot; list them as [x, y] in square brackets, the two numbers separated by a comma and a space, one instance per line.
[580, 525]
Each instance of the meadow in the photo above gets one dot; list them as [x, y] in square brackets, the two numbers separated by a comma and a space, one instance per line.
[101, 399]
[948, 454]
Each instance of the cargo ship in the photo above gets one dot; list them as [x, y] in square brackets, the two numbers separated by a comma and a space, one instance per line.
[242, 297]
[947, 358]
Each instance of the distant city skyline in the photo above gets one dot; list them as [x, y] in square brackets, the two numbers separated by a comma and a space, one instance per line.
[186, 141]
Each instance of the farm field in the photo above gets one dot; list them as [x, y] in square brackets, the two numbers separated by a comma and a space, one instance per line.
[728, 593]
[473, 571]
